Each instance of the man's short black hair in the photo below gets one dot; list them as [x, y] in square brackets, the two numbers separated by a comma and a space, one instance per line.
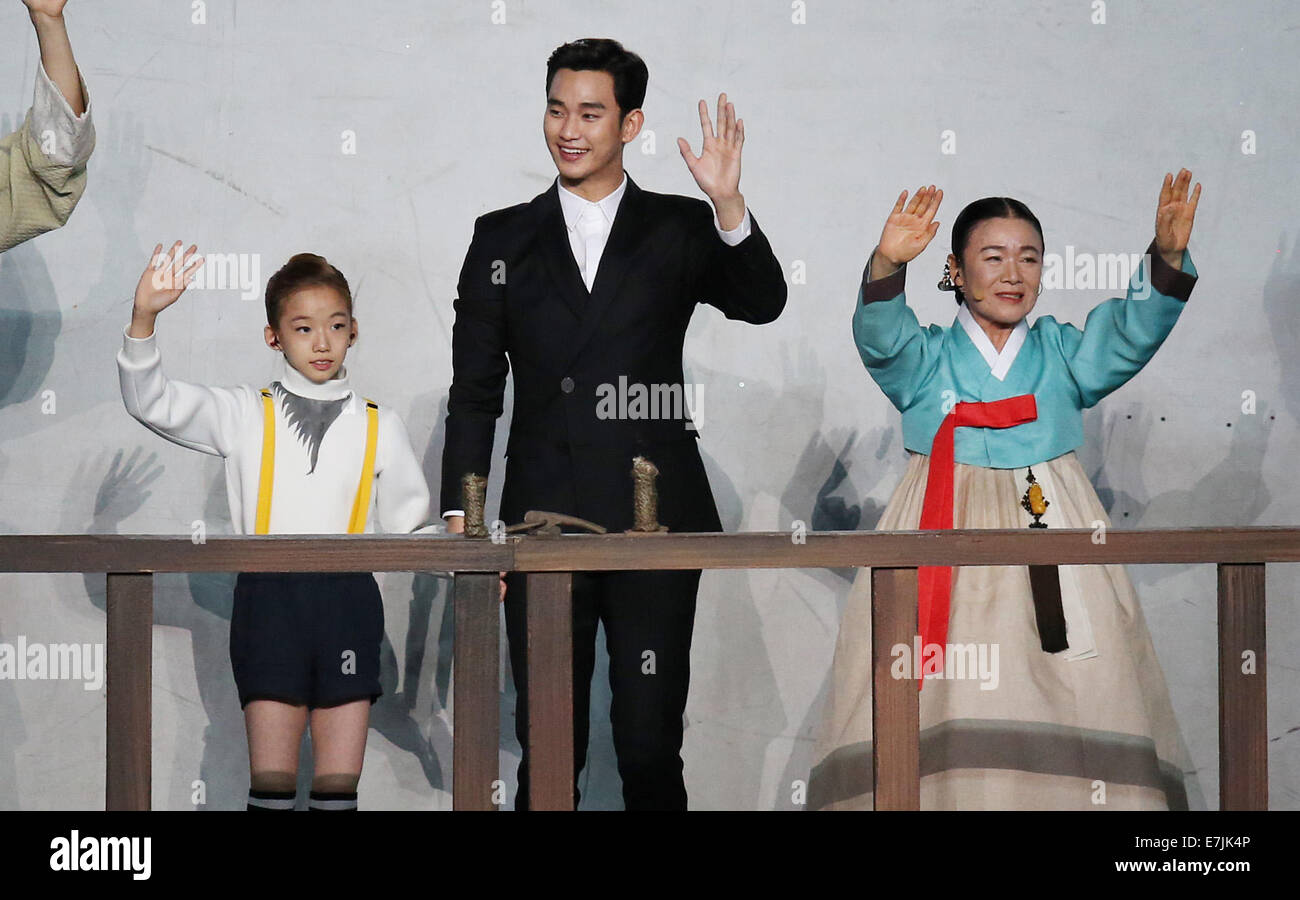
[604, 55]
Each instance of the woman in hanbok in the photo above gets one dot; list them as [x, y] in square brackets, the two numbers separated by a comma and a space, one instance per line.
[1043, 698]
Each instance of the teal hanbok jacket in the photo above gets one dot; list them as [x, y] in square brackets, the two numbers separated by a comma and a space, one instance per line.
[925, 371]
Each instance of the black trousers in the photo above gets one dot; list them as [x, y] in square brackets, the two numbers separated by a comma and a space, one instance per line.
[648, 619]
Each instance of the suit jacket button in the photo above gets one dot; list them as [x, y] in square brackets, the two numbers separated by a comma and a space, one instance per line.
[566, 384]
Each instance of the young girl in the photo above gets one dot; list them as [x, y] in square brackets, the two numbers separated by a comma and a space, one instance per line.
[1041, 722]
[302, 457]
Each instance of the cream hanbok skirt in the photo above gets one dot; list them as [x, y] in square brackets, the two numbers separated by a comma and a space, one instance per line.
[1048, 732]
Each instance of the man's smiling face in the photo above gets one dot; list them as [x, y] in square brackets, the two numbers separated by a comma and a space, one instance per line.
[585, 131]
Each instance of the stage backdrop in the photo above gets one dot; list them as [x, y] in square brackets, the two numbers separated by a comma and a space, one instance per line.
[374, 134]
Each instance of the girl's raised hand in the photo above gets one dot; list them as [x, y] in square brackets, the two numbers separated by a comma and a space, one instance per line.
[166, 278]
[910, 226]
[1174, 215]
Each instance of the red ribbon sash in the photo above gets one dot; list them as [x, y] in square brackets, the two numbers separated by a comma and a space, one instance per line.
[934, 583]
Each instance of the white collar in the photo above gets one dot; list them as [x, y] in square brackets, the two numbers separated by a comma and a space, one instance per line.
[999, 363]
[572, 205]
[297, 383]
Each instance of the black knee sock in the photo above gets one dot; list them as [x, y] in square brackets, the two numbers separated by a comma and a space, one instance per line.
[334, 801]
[270, 800]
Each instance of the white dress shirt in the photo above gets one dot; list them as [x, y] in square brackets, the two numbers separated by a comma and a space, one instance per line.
[602, 212]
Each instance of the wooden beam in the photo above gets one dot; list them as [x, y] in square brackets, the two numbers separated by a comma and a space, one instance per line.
[1243, 694]
[550, 691]
[129, 678]
[608, 552]
[888, 549]
[895, 702]
[476, 697]
[248, 553]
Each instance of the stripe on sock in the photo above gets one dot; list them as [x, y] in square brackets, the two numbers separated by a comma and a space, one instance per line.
[270, 800]
[337, 802]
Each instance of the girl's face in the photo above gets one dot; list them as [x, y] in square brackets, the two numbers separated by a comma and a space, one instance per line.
[315, 332]
[1001, 270]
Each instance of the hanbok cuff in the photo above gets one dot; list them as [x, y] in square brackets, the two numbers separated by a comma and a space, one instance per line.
[1169, 281]
[886, 288]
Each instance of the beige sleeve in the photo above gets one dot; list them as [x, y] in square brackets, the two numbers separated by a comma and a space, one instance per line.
[39, 189]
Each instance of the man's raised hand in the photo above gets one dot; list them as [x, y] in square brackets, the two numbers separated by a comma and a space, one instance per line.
[717, 169]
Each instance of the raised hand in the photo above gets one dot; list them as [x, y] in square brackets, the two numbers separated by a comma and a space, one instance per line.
[51, 8]
[909, 228]
[717, 169]
[1174, 216]
[56, 50]
[165, 279]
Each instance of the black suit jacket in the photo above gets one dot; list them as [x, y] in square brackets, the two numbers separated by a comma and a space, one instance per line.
[522, 304]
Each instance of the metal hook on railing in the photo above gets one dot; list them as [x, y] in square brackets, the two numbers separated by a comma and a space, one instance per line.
[547, 524]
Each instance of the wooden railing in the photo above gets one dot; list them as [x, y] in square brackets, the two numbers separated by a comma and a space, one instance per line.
[130, 562]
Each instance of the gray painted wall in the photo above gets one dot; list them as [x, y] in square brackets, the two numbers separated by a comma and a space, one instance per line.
[229, 134]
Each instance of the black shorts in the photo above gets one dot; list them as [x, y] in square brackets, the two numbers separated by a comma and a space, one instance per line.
[306, 638]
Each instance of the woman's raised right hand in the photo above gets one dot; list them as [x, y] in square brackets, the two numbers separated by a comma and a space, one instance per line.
[909, 228]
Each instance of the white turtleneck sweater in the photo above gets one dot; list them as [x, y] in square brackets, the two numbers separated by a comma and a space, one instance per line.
[320, 440]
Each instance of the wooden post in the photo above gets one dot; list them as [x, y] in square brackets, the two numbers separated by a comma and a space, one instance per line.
[895, 703]
[476, 697]
[1243, 694]
[129, 676]
[550, 690]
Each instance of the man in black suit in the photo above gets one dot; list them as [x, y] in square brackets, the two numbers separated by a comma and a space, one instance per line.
[594, 281]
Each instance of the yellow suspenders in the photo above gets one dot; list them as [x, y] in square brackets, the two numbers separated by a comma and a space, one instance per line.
[360, 506]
